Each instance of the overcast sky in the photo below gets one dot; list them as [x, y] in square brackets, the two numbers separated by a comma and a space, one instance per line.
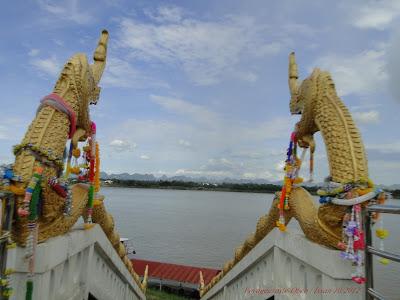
[200, 87]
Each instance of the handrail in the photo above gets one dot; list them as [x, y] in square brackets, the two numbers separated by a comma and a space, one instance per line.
[390, 209]
[370, 292]
[385, 254]
[375, 294]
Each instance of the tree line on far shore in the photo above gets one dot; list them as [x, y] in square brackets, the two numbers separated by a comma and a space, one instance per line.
[199, 186]
[190, 185]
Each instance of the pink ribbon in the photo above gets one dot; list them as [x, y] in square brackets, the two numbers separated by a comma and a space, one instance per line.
[61, 105]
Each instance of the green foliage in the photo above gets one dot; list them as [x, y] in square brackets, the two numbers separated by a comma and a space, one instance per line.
[154, 294]
[395, 194]
[183, 185]
[225, 187]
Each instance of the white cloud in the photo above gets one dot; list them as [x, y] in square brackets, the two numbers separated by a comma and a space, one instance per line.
[184, 143]
[221, 168]
[366, 117]
[33, 52]
[172, 14]
[50, 66]
[122, 145]
[278, 127]
[224, 167]
[144, 157]
[206, 50]
[67, 10]
[187, 109]
[362, 73]
[374, 14]
[228, 149]
[246, 76]
[264, 175]
[220, 165]
[4, 133]
[269, 49]
[118, 73]
[210, 174]
[302, 29]
[393, 65]
[58, 42]
[12, 128]
[385, 148]
[121, 73]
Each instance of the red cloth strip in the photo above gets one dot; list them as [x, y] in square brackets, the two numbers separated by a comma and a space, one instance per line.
[66, 106]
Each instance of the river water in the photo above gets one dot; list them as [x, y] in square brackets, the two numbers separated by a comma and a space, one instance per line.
[202, 228]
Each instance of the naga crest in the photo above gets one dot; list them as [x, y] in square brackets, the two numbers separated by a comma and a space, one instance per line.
[296, 106]
[97, 68]
[82, 79]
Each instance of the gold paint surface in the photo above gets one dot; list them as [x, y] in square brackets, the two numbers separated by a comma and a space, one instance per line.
[77, 85]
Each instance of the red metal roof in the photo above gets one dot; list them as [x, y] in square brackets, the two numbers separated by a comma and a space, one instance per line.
[180, 273]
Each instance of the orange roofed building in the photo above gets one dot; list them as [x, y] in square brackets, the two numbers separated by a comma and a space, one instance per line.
[172, 277]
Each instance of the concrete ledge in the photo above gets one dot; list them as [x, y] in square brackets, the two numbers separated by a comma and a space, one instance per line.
[72, 265]
[286, 260]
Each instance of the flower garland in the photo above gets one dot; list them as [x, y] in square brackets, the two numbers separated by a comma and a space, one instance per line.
[353, 242]
[75, 168]
[92, 159]
[7, 283]
[89, 171]
[8, 192]
[381, 232]
[97, 169]
[292, 167]
[33, 186]
[29, 208]
[353, 194]
[44, 155]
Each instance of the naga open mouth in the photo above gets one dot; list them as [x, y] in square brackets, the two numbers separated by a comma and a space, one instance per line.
[296, 111]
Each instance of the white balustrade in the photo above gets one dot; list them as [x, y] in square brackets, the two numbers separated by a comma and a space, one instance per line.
[73, 265]
[288, 266]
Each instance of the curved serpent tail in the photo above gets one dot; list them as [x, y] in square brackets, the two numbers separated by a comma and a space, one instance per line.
[106, 221]
[304, 210]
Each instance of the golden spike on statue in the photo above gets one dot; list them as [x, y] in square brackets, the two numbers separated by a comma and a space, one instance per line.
[99, 57]
[293, 75]
[201, 281]
[145, 276]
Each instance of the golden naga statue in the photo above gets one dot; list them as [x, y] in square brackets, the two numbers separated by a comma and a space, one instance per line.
[44, 143]
[321, 110]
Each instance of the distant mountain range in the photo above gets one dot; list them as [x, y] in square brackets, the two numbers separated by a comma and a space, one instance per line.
[151, 177]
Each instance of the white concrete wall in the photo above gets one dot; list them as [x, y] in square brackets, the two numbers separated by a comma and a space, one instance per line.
[289, 263]
[71, 266]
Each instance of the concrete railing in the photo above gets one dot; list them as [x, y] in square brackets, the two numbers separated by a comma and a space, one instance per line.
[73, 266]
[288, 266]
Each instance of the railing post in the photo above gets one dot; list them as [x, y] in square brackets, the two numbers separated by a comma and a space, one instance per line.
[368, 263]
[5, 229]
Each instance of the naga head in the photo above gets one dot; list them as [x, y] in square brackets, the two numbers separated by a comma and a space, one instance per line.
[300, 93]
[82, 78]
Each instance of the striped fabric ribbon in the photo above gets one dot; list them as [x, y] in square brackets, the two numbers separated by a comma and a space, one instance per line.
[61, 105]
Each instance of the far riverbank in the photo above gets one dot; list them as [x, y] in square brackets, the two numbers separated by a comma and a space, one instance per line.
[220, 187]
